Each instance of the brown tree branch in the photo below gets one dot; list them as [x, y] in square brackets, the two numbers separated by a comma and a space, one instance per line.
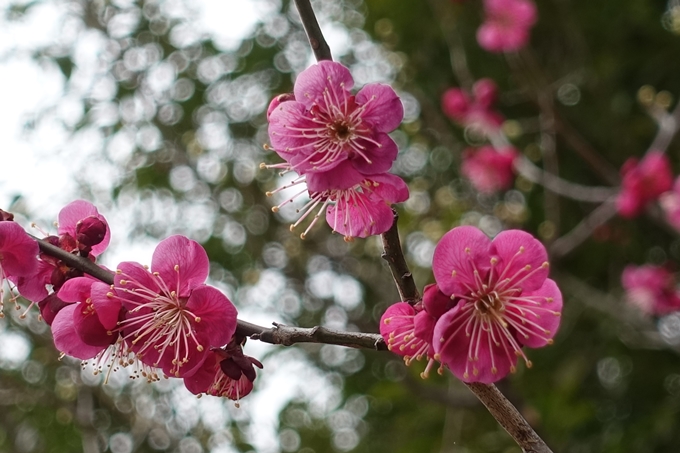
[311, 25]
[403, 279]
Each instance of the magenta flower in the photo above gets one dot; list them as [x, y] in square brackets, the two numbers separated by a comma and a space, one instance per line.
[489, 170]
[408, 330]
[643, 182]
[474, 111]
[360, 209]
[670, 203]
[82, 231]
[226, 372]
[651, 288]
[505, 301]
[18, 255]
[173, 319]
[326, 125]
[507, 25]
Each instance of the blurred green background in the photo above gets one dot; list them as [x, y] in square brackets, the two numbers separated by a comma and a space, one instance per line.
[160, 119]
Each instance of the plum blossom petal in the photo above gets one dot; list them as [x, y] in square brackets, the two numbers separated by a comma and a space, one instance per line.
[472, 353]
[524, 259]
[18, 251]
[365, 210]
[181, 263]
[382, 107]
[539, 311]
[459, 253]
[321, 81]
[66, 337]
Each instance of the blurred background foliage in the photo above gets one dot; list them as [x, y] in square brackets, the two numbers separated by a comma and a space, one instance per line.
[173, 117]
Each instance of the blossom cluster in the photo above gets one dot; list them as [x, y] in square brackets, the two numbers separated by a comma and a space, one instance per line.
[160, 321]
[490, 299]
[338, 144]
[490, 167]
[507, 25]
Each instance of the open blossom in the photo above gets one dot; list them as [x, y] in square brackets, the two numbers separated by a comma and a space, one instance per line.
[360, 209]
[172, 318]
[18, 254]
[643, 182]
[505, 302]
[226, 372]
[488, 169]
[507, 24]
[651, 288]
[325, 125]
[477, 110]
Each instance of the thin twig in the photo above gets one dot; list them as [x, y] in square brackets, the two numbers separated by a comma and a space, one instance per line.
[311, 25]
[509, 418]
[560, 186]
[668, 127]
[287, 335]
[583, 230]
[403, 279]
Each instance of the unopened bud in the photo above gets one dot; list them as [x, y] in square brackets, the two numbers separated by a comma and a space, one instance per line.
[90, 231]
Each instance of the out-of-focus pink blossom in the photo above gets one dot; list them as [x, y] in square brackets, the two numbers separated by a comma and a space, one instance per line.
[489, 170]
[651, 288]
[505, 302]
[670, 203]
[643, 182]
[476, 110]
[18, 254]
[172, 318]
[507, 25]
[326, 125]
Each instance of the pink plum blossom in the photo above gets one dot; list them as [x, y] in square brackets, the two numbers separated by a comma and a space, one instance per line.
[82, 231]
[172, 318]
[476, 110]
[325, 125]
[360, 209]
[507, 24]
[643, 182]
[18, 255]
[505, 302]
[408, 329]
[226, 372]
[651, 288]
[670, 203]
[488, 169]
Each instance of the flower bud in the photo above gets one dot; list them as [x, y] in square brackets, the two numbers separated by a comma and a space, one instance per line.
[90, 231]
